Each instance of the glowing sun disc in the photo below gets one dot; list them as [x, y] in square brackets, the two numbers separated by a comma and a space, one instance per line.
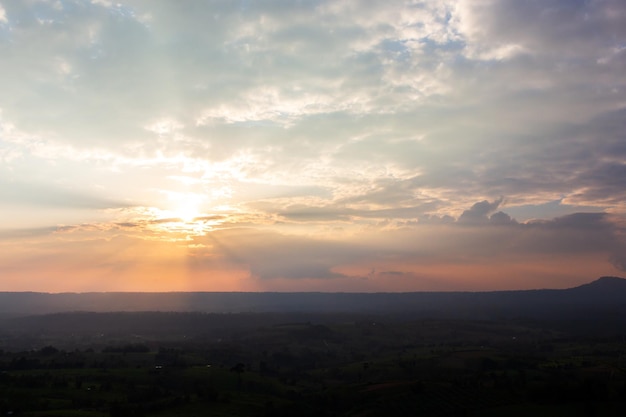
[187, 213]
[184, 206]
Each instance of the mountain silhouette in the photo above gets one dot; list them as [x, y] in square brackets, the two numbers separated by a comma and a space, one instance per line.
[604, 284]
[606, 294]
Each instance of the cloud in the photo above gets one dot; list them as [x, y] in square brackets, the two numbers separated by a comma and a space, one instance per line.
[576, 27]
[479, 212]
[405, 256]
[501, 218]
[304, 213]
[301, 89]
[270, 255]
[618, 258]
[320, 122]
[24, 233]
[477, 239]
[46, 195]
[3, 16]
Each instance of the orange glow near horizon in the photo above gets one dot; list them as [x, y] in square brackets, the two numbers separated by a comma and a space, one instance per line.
[164, 265]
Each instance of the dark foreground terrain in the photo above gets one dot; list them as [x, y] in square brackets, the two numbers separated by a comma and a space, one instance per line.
[313, 364]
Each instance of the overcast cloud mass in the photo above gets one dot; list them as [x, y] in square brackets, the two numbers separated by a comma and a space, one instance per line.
[339, 145]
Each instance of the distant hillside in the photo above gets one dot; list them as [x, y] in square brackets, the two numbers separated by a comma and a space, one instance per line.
[607, 294]
[603, 285]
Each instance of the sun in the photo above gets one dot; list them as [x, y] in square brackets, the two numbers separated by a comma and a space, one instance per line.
[185, 207]
[187, 213]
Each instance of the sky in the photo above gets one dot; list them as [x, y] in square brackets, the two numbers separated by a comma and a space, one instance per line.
[342, 145]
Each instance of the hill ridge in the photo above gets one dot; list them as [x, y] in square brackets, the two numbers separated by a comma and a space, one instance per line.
[602, 294]
[605, 282]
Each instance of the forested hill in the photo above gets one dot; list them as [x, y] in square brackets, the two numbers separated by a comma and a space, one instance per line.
[605, 294]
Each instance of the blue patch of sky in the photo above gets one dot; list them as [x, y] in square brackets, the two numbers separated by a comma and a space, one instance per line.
[5, 32]
[122, 11]
[397, 49]
[431, 45]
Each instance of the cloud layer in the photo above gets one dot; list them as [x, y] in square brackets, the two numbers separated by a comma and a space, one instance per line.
[373, 137]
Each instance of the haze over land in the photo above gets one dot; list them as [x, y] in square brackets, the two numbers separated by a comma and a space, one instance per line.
[599, 301]
[311, 146]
